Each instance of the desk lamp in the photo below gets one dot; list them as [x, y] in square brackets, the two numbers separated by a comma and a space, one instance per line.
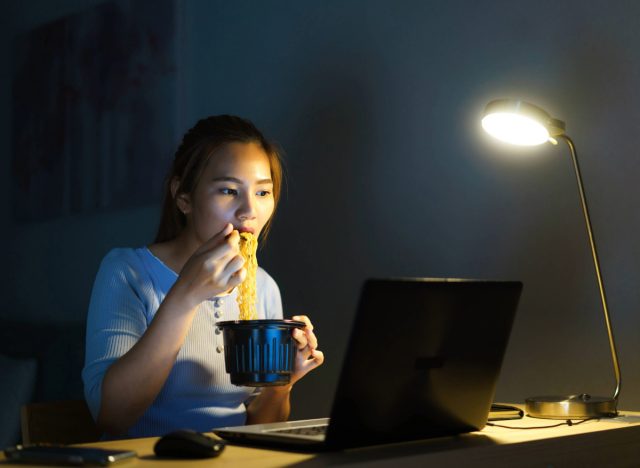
[521, 123]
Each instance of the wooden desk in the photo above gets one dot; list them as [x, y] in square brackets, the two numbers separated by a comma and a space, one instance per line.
[609, 442]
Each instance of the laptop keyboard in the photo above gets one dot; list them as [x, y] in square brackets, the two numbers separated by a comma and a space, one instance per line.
[306, 430]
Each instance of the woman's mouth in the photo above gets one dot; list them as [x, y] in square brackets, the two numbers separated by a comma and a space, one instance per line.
[246, 229]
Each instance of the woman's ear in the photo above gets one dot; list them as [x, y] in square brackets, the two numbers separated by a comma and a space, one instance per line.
[183, 201]
[174, 186]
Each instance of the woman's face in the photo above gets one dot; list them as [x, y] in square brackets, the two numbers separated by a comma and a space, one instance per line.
[236, 188]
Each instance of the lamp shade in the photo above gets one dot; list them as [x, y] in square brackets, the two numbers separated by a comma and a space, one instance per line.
[520, 123]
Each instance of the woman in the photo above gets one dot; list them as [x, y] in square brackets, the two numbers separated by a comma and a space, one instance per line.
[154, 357]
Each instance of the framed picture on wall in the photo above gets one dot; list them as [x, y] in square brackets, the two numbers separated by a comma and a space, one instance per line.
[94, 110]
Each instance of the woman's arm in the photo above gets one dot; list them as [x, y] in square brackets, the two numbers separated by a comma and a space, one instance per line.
[271, 405]
[132, 382]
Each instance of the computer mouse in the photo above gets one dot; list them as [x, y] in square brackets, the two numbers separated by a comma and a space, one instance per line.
[185, 443]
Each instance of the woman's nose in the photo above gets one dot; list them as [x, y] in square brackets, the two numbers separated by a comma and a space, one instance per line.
[247, 208]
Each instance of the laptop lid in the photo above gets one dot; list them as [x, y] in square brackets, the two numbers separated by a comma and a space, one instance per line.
[422, 361]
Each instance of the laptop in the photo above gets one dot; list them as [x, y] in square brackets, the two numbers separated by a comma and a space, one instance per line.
[422, 361]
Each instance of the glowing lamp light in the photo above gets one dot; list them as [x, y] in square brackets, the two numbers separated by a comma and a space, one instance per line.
[515, 129]
[520, 123]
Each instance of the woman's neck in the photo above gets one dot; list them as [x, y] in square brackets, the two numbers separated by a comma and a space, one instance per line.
[175, 252]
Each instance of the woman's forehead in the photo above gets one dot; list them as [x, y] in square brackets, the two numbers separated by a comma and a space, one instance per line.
[238, 158]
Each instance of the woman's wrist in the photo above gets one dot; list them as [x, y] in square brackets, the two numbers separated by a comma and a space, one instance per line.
[279, 390]
[271, 405]
[178, 298]
[182, 292]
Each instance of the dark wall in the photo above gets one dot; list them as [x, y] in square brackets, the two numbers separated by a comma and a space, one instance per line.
[377, 105]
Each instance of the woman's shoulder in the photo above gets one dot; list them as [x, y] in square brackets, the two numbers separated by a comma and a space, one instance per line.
[268, 294]
[266, 285]
[122, 256]
[125, 268]
[126, 262]
[264, 279]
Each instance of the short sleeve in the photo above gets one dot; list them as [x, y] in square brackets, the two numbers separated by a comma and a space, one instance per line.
[116, 319]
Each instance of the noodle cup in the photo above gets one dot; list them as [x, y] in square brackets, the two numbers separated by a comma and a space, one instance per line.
[259, 353]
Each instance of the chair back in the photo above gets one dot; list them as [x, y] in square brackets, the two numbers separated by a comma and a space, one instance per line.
[58, 422]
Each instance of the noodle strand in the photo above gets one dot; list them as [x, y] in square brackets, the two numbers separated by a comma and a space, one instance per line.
[247, 290]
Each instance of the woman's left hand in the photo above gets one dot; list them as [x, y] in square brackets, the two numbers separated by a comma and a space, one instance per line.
[272, 403]
[308, 357]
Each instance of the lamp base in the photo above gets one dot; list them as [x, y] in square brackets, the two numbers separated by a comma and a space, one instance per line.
[580, 406]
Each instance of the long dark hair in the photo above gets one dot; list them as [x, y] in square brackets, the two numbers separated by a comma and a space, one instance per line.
[197, 147]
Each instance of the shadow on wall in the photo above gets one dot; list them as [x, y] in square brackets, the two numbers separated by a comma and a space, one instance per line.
[317, 238]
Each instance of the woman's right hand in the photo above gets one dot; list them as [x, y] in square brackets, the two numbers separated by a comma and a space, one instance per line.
[214, 268]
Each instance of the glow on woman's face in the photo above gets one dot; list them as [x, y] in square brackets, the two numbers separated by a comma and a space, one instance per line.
[235, 187]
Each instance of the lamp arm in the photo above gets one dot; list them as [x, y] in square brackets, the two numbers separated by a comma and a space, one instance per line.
[596, 264]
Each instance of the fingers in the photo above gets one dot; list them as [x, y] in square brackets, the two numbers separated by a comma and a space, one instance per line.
[317, 358]
[217, 264]
[233, 266]
[306, 362]
[223, 259]
[312, 340]
[305, 319]
[308, 356]
[226, 271]
[237, 278]
[305, 337]
[215, 267]
[218, 238]
[308, 353]
[301, 338]
[230, 245]
[311, 362]
[234, 273]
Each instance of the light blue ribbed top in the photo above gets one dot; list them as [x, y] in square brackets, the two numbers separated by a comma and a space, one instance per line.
[198, 394]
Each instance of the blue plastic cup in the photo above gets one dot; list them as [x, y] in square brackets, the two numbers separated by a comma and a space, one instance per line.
[259, 353]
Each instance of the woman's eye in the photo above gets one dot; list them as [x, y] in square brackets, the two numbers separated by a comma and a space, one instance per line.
[264, 193]
[228, 191]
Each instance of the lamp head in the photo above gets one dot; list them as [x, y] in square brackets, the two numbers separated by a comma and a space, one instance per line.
[520, 123]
